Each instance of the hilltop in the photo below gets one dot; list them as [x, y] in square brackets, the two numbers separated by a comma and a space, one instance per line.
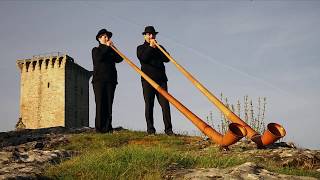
[60, 153]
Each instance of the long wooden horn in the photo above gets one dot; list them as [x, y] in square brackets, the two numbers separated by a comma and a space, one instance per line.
[272, 134]
[234, 134]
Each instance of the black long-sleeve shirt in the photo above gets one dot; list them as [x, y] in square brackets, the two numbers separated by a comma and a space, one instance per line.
[104, 64]
[152, 62]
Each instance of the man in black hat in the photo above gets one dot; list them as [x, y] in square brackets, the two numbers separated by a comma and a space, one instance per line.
[104, 80]
[152, 63]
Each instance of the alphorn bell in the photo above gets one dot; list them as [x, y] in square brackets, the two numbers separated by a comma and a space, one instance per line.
[274, 131]
[234, 134]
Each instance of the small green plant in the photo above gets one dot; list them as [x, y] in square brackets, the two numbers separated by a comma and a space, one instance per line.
[254, 117]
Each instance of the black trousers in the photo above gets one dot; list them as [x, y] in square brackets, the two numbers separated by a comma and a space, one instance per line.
[104, 95]
[149, 93]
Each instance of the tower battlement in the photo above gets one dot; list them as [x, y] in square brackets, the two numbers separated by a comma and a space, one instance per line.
[43, 62]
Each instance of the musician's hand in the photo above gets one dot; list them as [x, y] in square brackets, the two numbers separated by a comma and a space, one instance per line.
[153, 43]
[109, 43]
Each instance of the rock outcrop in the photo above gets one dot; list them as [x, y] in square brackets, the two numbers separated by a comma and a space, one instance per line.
[24, 154]
[285, 154]
[249, 170]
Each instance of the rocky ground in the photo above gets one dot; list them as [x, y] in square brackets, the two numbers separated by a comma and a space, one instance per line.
[247, 170]
[24, 155]
[285, 154]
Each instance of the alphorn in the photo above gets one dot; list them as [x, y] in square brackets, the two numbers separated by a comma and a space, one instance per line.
[274, 131]
[234, 134]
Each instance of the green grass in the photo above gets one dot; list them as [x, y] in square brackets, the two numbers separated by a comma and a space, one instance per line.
[133, 155]
[120, 163]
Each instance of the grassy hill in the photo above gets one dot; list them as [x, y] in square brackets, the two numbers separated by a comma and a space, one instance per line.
[135, 155]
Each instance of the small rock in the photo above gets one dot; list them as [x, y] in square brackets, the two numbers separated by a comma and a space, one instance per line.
[285, 154]
[5, 156]
[290, 163]
[292, 145]
[253, 176]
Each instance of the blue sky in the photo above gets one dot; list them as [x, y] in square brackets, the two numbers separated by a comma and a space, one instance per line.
[256, 48]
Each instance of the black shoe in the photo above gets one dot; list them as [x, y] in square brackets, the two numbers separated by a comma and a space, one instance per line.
[151, 133]
[151, 130]
[170, 133]
[104, 131]
[119, 128]
[98, 130]
[109, 131]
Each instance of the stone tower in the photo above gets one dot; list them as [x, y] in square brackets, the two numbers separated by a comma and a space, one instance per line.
[54, 92]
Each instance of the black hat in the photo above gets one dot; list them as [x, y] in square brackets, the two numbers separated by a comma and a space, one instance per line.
[149, 29]
[103, 31]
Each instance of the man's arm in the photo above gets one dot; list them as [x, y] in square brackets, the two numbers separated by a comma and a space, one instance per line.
[99, 53]
[163, 56]
[116, 57]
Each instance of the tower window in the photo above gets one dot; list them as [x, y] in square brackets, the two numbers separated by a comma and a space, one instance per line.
[48, 84]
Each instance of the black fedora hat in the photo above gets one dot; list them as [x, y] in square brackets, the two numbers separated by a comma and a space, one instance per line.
[103, 31]
[149, 29]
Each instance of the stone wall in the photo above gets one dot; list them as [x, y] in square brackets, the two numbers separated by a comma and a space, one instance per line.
[77, 95]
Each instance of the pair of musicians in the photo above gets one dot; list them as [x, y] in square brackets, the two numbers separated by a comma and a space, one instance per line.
[105, 79]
